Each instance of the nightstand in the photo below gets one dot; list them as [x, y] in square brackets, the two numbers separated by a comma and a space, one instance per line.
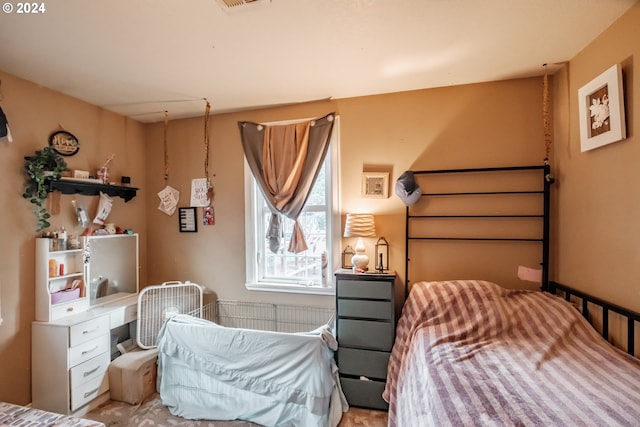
[365, 329]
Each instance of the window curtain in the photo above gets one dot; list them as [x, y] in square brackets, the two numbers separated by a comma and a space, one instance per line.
[285, 161]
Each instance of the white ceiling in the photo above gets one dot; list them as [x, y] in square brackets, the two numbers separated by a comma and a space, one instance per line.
[142, 57]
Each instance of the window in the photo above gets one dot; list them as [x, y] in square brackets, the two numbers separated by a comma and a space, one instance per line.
[284, 271]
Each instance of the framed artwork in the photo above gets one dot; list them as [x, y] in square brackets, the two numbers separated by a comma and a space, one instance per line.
[375, 185]
[601, 108]
[187, 219]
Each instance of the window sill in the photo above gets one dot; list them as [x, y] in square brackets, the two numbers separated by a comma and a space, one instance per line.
[291, 289]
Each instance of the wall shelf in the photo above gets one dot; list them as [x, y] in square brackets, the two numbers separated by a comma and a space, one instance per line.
[92, 189]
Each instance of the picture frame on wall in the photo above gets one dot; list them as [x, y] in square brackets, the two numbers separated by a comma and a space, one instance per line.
[375, 185]
[601, 109]
[188, 220]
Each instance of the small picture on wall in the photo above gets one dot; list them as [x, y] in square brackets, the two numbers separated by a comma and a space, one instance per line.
[601, 107]
[187, 220]
[375, 184]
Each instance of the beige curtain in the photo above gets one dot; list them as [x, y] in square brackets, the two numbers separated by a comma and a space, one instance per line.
[285, 161]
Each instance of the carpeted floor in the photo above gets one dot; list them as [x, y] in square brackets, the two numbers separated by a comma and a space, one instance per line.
[151, 412]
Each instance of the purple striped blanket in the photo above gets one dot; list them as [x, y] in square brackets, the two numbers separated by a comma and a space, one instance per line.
[470, 353]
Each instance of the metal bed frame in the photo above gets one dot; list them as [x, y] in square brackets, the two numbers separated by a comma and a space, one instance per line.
[544, 192]
[588, 302]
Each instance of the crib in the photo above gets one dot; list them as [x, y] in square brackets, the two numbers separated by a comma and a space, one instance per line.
[256, 362]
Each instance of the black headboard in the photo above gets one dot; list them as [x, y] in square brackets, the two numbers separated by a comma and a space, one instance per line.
[541, 190]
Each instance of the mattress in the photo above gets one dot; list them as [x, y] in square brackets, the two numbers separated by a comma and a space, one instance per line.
[470, 353]
[207, 371]
[16, 415]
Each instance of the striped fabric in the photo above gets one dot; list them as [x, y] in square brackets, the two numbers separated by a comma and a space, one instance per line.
[470, 353]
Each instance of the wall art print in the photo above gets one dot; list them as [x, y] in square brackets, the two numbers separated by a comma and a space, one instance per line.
[601, 108]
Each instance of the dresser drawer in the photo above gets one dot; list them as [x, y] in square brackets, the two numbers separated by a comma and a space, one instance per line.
[88, 350]
[366, 309]
[367, 394]
[76, 306]
[85, 331]
[368, 363]
[87, 371]
[367, 334]
[88, 391]
[365, 289]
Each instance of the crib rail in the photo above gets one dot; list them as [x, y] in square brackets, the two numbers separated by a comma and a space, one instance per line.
[266, 316]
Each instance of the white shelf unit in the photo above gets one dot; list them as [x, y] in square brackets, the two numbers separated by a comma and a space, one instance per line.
[50, 282]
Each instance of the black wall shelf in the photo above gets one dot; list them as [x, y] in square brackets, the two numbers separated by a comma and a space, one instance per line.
[92, 189]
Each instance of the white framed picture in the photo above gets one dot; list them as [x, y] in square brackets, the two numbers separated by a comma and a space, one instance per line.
[375, 185]
[601, 108]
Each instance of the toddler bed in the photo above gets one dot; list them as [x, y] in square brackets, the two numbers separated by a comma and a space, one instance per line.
[470, 353]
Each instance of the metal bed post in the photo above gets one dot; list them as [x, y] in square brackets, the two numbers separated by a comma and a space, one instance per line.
[548, 180]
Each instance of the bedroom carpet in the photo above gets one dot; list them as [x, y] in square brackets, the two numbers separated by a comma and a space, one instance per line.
[152, 413]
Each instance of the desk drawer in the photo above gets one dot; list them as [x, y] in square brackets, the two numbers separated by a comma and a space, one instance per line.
[366, 309]
[368, 363]
[85, 331]
[88, 391]
[86, 371]
[88, 350]
[367, 394]
[365, 289]
[366, 334]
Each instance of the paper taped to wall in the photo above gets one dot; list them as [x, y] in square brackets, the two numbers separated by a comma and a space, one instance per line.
[529, 274]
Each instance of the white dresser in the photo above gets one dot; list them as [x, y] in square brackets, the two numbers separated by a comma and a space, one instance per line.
[70, 358]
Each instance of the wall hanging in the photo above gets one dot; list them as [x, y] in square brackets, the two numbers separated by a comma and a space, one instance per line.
[375, 185]
[64, 143]
[601, 107]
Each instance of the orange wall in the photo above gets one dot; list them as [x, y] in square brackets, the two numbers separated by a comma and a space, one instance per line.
[597, 229]
[489, 124]
[33, 113]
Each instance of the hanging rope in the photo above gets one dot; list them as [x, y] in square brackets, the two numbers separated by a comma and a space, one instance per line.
[207, 111]
[166, 152]
[546, 116]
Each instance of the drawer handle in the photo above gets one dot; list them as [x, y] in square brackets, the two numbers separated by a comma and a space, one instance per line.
[93, 371]
[97, 328]
[90, 351]
[89, 393]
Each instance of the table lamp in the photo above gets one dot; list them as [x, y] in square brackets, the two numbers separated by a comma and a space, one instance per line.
[360, 225]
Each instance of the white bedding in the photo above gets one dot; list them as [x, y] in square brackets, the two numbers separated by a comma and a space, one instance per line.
[207, 371]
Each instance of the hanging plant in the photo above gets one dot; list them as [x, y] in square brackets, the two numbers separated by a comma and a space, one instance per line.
[44, 165]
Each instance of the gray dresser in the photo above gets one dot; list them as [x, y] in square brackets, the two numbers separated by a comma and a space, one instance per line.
[366, 325]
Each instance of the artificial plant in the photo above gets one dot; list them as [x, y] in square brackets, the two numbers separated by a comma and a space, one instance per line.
[44, 165]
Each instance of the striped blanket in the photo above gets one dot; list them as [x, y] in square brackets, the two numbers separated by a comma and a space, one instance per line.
[470, 353]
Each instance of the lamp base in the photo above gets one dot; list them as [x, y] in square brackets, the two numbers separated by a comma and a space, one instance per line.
[360, 262]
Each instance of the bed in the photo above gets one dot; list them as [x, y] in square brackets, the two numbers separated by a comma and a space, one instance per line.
[470, 353]
[207, 371]
[16, 415]
[505, 350]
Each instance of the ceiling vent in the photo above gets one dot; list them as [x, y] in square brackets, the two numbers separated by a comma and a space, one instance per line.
[233, 5]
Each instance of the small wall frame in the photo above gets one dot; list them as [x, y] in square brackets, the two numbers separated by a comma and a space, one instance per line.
[188, 221]
[601, 108]
[375, 185]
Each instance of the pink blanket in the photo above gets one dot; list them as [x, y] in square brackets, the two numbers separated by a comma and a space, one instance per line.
[470, 353]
